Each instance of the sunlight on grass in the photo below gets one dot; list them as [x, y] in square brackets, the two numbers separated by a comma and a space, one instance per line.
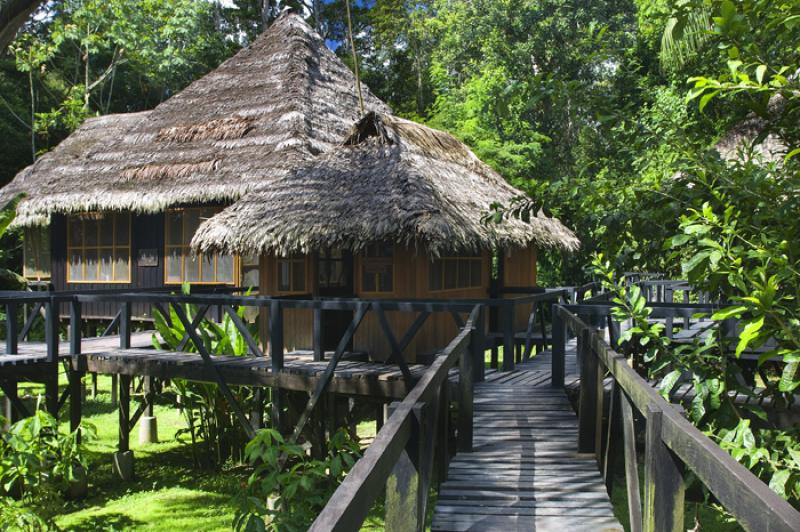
[169, 493]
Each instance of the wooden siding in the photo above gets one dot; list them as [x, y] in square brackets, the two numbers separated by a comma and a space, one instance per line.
[410, 281]
[520, 270]
[296, 322]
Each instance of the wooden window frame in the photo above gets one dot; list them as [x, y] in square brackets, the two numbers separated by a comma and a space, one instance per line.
[185, 246]
[363, 260]
[292, 261]
[114, 247]
[455, 260]
[41, 274]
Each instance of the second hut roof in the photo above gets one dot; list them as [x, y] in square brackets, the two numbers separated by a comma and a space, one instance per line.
[391, 180]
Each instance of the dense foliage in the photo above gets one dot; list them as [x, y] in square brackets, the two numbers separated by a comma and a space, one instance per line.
[38, 465]
[288, 488]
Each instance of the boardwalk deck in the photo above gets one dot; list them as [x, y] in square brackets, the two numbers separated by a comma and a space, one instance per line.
[353, 375]
[524, 472]
[32, 353]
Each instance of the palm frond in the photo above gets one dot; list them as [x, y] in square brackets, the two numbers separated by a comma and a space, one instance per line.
[684, 36]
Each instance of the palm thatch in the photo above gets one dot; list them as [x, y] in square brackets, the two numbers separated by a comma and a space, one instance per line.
[263, 112]
[390, 180]
[752, 136]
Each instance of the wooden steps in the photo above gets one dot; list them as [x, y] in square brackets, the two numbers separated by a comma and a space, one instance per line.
[524, 472]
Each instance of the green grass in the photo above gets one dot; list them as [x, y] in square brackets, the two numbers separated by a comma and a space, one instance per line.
[169, 492]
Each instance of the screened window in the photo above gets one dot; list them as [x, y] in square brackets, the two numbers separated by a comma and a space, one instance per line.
[36, 253]
[454, 273]
[250, 269]
[184, 266]
[333, 270]
[377, 268]
[99, 248]
[292, 274]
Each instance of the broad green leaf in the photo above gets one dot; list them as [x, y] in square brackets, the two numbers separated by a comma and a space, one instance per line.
[760, 71]
[668, 383]
[750, 332]
[778, 481]
[729, 312]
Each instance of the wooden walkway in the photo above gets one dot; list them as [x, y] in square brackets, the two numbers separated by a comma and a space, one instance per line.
[524, 472]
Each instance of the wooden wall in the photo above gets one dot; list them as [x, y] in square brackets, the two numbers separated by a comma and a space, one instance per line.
[520, 270]
[410, 282]
[296, 322]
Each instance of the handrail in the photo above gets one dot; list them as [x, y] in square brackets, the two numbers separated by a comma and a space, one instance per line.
[743, 494]
[352, 500]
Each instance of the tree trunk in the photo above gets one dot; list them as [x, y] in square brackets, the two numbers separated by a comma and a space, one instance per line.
[13, 14]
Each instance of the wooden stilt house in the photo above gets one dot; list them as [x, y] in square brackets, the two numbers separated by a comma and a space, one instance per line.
[256, 174]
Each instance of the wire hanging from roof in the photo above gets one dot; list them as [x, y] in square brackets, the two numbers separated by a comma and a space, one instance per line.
[355, 57]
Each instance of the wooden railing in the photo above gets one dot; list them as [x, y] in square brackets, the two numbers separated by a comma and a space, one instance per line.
[404, 447]
[672, 443]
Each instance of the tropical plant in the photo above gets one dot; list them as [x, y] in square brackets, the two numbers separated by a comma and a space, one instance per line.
[38, 463]
[762, 444]
[288, 488]
[209, 418]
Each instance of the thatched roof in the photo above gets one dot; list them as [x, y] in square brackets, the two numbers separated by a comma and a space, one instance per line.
[752, 135]
[274, 105]
[390, 180]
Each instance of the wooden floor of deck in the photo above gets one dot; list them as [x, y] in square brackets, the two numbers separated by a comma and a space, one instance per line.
[353, 376]
[524, 472]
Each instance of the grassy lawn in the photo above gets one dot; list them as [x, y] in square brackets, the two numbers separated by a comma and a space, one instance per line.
[169, 492]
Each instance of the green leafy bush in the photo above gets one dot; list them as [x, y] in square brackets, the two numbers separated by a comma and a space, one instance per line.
[38, 463]
[288, 489]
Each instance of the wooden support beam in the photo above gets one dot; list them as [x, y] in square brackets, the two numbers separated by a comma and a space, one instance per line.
[257, 414]
[220, 380]
[477, 345]
[558, 355]
[600, 406]
[317, 335]
[631, 465]
[507, 324]
[111, 326]
[75, 327]
[31, 319]
[405, 487]
[466, 386]
[14, 408]
[51, 331]
[11, 328]
[276, 335]
[276, 360]
[442, 457]
[613, 434]
[124, 413]
[664, 488]
[125, 325]
[457, 319]
[242, 328]
[327, 375]
[201, 313]
[75, 399]
[587, 413]
[397, 353]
